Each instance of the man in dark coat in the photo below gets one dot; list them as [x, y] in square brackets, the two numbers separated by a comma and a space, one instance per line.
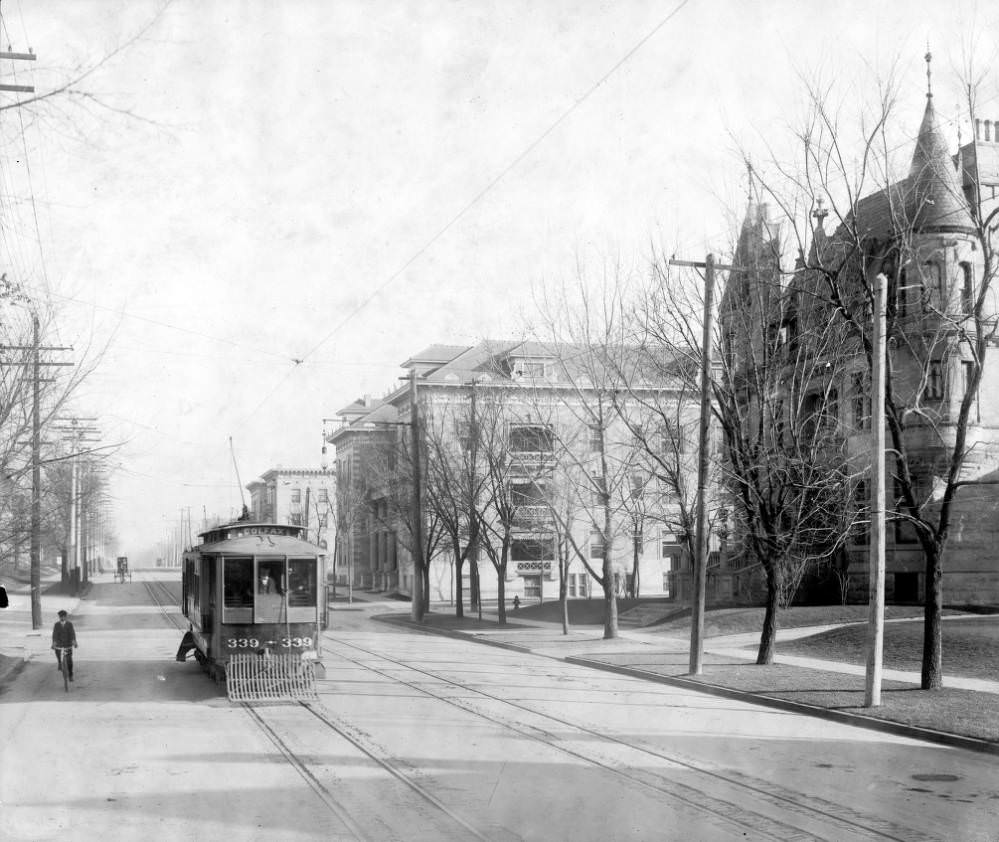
[64, 636]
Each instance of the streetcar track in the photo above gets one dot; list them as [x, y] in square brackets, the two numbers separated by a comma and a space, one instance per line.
[809, 806]
[323, 716]
[156, 589]
[317, 786]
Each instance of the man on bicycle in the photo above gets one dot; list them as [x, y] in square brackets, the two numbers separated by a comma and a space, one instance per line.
[64, 637]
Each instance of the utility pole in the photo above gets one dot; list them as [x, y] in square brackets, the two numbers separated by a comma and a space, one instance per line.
[701, 507]
[418, 561]
[76, 433]
[12, 293]
[876, 616]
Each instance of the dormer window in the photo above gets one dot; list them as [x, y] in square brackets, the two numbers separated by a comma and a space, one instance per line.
[534, 369]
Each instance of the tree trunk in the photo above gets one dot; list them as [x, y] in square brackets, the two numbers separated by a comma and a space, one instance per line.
[501, 592]
[768, 637]
[932, 677]
[563, 595]
[417, 607]
[426, 584]
[459, 595]
[610, 600]
[636, 553]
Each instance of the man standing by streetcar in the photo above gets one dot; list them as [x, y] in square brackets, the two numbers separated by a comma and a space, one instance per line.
[64, 637]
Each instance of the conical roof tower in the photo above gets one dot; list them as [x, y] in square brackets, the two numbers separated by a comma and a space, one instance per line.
[935, 198]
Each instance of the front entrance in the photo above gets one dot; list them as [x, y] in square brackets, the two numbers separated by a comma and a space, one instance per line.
[906, 587]
[532, 588]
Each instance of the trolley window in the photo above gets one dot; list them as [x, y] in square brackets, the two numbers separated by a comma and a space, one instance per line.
[237, 589]
[270, 591]
[302, 581]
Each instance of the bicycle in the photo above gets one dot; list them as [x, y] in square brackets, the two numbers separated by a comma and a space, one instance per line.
[63, 655]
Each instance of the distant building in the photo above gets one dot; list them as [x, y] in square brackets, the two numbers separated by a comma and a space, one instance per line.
[296, 496]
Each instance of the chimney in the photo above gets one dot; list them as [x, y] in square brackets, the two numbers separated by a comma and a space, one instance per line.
[367, 400]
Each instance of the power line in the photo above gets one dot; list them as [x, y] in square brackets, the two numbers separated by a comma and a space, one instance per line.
[480, 195]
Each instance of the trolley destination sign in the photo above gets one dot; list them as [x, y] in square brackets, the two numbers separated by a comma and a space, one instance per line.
[225, 533]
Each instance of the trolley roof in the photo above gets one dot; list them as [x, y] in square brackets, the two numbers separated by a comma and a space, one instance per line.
[245, 538]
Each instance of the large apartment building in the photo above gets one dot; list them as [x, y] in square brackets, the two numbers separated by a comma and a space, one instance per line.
[557, 462]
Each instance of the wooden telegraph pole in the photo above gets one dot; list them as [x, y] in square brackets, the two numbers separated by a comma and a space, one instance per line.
[14, 295]
[419, 596]
[876, 616]
[701, 507]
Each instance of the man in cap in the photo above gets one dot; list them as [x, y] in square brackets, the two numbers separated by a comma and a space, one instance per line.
[64, 637]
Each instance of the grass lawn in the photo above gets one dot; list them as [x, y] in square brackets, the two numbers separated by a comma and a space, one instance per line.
[970, 646]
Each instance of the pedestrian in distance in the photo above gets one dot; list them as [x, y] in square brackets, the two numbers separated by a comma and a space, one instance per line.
[64, 637]
[516, 603]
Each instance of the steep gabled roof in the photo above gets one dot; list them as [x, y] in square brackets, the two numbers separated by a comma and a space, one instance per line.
[930, 198]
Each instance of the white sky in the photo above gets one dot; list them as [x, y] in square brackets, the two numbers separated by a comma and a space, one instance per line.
[348, 181]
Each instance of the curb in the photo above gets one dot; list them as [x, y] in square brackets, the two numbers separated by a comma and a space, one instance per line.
[13, 669]
[857, 720]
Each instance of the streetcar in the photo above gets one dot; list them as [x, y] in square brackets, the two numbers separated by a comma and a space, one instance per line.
[254, 599]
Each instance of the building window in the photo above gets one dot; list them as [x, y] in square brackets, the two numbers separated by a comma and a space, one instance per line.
[905, 532]
[902, 295]
[532, 549]
[324, 495]
[862, 525]
[968, 372]
[532, 587]
[296, 495]
[597, 546]
[595, 441]
[529, 368]
[934, 390]
[668, 542]
[532, 438]
[779, 424]
[832, 408]
[967, 289]
[672, 437]
[527, 494]
[598, 486]
[861, 401]
[933, 286]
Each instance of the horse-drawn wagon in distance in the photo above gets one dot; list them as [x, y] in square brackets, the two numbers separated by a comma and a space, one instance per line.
[121, 571]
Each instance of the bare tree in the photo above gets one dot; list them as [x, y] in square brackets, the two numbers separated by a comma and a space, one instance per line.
[602, 472]
[456, 481]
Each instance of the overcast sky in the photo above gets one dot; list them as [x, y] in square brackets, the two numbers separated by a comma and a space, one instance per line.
[344, 182]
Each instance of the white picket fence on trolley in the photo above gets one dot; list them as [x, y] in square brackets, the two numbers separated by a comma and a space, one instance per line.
[270, 677]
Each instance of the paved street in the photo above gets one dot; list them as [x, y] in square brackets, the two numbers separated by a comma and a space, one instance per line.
[425, 737]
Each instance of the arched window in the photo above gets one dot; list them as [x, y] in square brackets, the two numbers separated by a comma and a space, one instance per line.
[933, 288]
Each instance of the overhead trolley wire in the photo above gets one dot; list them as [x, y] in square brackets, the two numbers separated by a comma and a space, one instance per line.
[477, 197]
